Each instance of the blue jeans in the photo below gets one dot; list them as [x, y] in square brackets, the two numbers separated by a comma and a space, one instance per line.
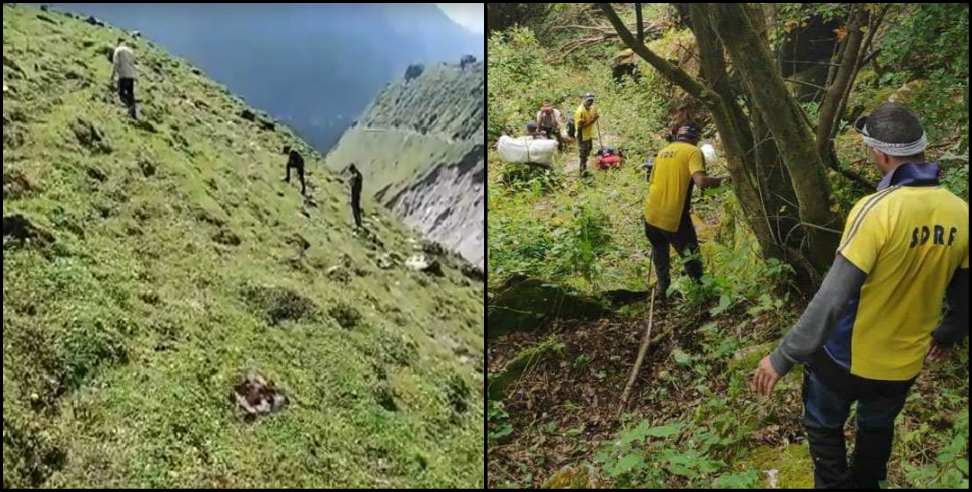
[825, 413]
[825, 409]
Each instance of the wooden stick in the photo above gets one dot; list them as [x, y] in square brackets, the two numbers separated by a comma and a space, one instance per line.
[644, 343]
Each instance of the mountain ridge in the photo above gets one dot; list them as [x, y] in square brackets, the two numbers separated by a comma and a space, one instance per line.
[420, 144]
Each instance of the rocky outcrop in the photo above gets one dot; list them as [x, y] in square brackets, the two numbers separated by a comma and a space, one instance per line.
[420, 148]
[436, 204]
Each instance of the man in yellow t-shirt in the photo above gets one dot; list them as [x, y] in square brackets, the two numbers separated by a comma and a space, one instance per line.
[875, 320]
[585, 117]
[667, 222]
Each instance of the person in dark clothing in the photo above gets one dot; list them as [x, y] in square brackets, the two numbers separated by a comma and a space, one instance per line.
[295, 161]
[356, 184]
[685, 242]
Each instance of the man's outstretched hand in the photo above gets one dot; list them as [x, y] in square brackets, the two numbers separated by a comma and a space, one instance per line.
[765, 377]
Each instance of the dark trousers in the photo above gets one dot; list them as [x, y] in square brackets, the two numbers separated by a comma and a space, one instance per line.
[825, 412]
[685, 242]
[356, 207]
[300, 174]
[126, 91]
[553, 133]
[585, 152]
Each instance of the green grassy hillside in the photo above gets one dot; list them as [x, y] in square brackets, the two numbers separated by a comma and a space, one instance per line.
[149, 265]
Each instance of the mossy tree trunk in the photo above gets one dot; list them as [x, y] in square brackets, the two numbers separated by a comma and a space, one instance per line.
[788, 126]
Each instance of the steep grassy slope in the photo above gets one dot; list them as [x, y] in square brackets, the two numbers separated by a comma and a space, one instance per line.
[148, 265]
[420, 147]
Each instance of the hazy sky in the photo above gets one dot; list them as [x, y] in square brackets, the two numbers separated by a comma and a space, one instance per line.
[469, 15]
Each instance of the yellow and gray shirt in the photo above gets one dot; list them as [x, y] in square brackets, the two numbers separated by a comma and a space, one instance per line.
[902, 250]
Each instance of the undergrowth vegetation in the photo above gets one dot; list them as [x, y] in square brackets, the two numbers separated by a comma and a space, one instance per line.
[694, 422]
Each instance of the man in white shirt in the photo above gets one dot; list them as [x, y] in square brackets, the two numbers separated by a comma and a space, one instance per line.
[549, 120]
[123, 65]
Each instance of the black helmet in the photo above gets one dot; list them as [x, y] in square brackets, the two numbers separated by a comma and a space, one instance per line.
[688, 131]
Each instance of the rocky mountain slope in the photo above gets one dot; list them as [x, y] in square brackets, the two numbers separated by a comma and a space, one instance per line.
[162, 287]
[420, 147]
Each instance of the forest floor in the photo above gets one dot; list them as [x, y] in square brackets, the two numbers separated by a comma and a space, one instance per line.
[691, 420]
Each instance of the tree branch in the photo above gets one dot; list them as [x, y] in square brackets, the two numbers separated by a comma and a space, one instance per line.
[827, 119]
[601, 29]
[669, 71]
[808, 84]
[847, 173]
[873, 25]
[784, 119]
[812, 62]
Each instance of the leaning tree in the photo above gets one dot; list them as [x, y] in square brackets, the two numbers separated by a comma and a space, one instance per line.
[776, 156]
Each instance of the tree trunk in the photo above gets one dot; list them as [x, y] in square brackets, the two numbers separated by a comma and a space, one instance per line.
[835, 93]
[770, 152]
[737, 138]
[786, 123]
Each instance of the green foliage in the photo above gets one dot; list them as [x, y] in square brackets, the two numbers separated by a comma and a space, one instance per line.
[514, 93]
[518, 244]
[956, 179]
[278, 303]
[502, 16]
[345, 315]
[812, 109]
[634, 460]
[681, 358]
[578, 246]
[748, 479]
[930, 41]
[89, 344]
[928, 35]
[173, 271]
[736, 277]
[950, 469]
[791, 16]
[527, 178]
[581, 361]
[499, 424]
[640, 110]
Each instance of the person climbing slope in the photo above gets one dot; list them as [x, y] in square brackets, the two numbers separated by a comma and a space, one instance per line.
[356, 185]
[875, 319]
[123, 65]
[295, 161]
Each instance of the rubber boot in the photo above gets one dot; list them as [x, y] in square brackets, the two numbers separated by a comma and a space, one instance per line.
[872, 450]
[661, 296]
[829, 453]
